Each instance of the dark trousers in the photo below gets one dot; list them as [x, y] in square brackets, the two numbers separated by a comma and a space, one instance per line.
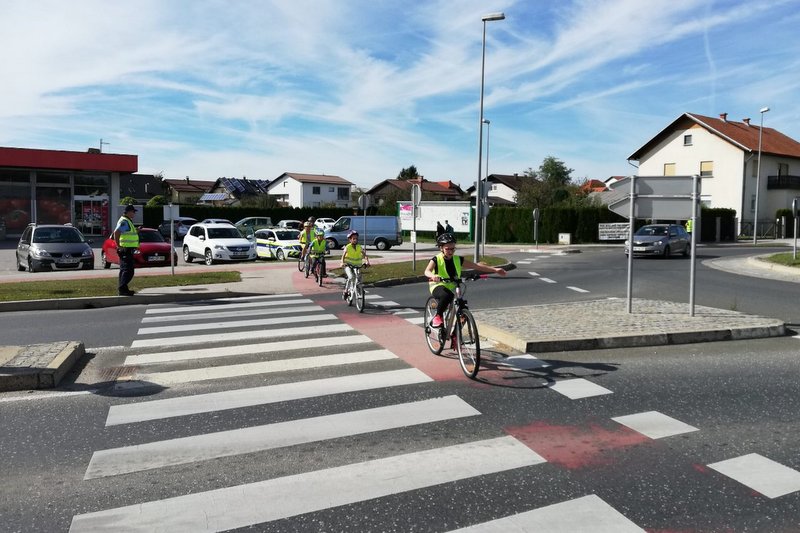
[444, 297]
[125, 268]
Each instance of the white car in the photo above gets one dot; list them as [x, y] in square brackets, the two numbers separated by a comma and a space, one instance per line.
[278, 243]
[324, 223]
[217, 242]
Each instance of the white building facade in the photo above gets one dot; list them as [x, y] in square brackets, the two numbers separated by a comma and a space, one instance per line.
[311, 190]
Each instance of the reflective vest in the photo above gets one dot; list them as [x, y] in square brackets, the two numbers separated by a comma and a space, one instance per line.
[689, 226]
[305, 236]
[353, 254]
[130, 237]
[441, 271]
[318, 247]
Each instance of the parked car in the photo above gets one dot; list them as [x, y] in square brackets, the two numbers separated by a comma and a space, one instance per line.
[248, 225]
[324, 223]
[381, 231]
[53, 247]
[216, 221]
[660, 239]
[181, 226]
[153, 250]
[2, 229]
[217, 242]
[278, 243]
[290, 224]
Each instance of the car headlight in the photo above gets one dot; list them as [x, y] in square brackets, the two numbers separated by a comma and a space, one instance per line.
[89, 253]
[219, 247]
[659, 243]
[39, 253]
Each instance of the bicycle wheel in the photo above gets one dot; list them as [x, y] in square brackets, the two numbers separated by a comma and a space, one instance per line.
[468, 344]
[319, 272]
[358, 295]
[308, 268]
[433, 336]
[301, 263]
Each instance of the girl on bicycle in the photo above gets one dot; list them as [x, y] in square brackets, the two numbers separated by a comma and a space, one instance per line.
[447, 265]
[353, 255]
[318, 248]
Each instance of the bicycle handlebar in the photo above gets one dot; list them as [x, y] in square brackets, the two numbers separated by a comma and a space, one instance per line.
[470, 277]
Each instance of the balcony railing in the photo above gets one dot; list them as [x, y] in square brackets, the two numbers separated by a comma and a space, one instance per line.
[783, 182]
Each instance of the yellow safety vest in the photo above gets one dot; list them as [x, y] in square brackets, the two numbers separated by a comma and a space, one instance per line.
[318, 247]
[352, 254]
[129, 238]
[441, 270]
[689, 225]
[304, 236]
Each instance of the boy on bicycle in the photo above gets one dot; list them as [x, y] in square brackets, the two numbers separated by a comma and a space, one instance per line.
[353, 255]
[447, 265]
[306, 236]
[318, 248]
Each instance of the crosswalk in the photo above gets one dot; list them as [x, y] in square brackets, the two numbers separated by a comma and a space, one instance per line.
[263, 356]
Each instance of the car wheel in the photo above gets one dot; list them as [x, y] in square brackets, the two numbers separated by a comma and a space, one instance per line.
[30, 266]
[381, 245]
[279, 255]
[20, 266]
[209, 257]
[666, 253]
[686, 250]
[332, 244]
[104, 260]
[187, 256]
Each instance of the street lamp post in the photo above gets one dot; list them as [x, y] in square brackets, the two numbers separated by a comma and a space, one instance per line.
[479, 189]
[485, 197]
[758, 174]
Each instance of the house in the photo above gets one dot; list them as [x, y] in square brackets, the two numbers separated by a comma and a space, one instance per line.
[725, 154]
[393, 190]
[502, 189]
[142, 187]
[231, 191]
[310, 190]
[185, 191]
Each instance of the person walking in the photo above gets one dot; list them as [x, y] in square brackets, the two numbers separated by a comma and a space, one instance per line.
[448, 228]
[439, 229]
[689, 226]
[127, 239]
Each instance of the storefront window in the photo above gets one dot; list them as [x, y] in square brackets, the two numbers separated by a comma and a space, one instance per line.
[53, 205]
[15, 207]
[52, 177]
[91, 184]
[14, 176]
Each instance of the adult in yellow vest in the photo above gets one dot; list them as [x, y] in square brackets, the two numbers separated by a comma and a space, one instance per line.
[689, 226]
[127, 239]
[447, 265]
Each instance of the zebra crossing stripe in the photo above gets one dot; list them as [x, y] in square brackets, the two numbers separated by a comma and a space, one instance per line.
[263, 367]
[234, 399]
[274, 499]
[654, 425]
[578, 388]
[548, 280]
[193, 449]
[247, 349]
[589, 513]
[237, 324]
[243, 302]
[417, 320]
[406, 311]
[577, 289]
[386, 303]
[317, 329]
[231, 314]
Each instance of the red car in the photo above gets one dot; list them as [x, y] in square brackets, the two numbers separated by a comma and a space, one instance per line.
[153, 250]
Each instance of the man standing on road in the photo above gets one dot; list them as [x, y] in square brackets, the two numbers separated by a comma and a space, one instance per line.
[447, 227]
[127, 239]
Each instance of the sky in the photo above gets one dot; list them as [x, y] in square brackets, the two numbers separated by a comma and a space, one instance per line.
[365, 88]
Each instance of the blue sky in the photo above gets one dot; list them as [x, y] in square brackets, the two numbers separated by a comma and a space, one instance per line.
[362, 89]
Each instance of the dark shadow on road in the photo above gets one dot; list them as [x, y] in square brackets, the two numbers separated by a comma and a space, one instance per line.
[496, 372]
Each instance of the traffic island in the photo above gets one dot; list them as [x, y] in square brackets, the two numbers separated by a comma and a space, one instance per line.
[37, 366]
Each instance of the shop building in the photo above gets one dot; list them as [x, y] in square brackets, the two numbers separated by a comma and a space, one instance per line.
[59, 187]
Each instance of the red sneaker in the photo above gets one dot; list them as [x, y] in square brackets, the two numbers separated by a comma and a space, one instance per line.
[437, 321]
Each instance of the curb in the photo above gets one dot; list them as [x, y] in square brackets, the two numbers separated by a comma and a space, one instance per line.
[16, 378]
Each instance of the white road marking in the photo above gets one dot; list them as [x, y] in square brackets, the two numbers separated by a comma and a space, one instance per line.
[264, 367]
[185, 450]
[548, 280]
[575, 389]
[406, 312]
[524, 361]
[205, 326]
[589, 513]
[533, 273]
[231, 314]
[318, 329]
[234, 399]
[764, 475]
[248, 301]
[417, 320]
[274, 499]
[576, 289]
[654, 424]
[386, 303]
[523, 262]
[372, 296]
[246, 349]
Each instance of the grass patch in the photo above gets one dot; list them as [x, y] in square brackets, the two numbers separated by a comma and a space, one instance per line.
[88, 287]
[403, 270]
[783, 258]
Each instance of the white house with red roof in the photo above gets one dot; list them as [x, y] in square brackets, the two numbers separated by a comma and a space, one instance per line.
[725, 154]
[310, 190]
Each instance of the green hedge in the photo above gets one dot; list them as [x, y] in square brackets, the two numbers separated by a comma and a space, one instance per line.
[779, 214]
[708, 224]
[514, 224]
[153, 216]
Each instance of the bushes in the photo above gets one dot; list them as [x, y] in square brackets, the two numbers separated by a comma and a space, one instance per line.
[514, 224]
[153, 216]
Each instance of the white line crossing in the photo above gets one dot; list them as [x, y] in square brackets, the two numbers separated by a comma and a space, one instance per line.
[237, 324]
[654, 424]
[243, 302]
[237, 350]
[417, 320]
[267, 437]
[234, 399]
[578, 388]
[533, 273]
[386, 303]
[761, 474]
[317, 329]
[274, 499]
[232, 314]
[175, 377]
[576, 289]
[548, 280]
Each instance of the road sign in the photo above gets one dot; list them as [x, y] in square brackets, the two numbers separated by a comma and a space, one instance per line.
[363, 201]
[657, 197]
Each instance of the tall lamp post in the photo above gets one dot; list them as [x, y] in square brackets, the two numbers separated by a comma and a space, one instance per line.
[479, 192]
[758, 174]
[485, 197]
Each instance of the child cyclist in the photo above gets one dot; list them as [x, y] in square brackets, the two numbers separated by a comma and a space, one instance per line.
[306, 236]
[447, 265]
[353, 255]
[317, 249]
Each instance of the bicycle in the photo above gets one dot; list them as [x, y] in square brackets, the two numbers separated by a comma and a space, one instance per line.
[304, 264]
[354, 289]
[458, 325]
[318, 267]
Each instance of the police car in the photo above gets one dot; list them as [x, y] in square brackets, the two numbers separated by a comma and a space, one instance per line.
[278, 243]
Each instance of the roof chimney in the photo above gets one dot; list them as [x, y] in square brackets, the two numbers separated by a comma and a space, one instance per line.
[723, 117]
[746, 121]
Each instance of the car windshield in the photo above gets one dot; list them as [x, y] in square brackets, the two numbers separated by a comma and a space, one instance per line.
[652, 231]
[57, 235]
[288, 235]
[224, 233]
[150, 236]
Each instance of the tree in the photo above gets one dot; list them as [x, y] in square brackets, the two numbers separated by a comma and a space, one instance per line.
[408, 173]
[548, 186]
[156, 201]
[127, 200]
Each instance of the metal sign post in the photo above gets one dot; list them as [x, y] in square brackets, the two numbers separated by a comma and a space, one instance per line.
[170, 212]
[795, 209]
[416, 194]
[536, 227]
[364, 203]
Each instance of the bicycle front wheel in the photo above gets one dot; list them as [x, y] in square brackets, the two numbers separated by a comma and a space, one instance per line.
[358, 294]
[301, 263]
[433, 336]
[468, 344]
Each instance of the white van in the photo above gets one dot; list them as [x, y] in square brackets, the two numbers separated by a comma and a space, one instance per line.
[383, 232]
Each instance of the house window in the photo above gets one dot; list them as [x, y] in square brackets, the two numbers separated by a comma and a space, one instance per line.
[343, 193]
[669, 169]
[494, 186]
[783, 169]
[687, 140]
[706, 169]
[314, 190]
[753, 202]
